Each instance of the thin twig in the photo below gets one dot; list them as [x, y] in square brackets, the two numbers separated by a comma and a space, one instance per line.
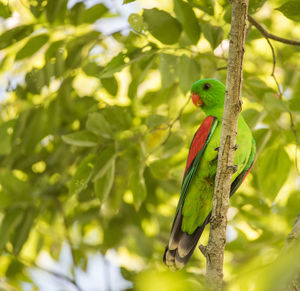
[169, 127]
[267, 34]
[280, 93]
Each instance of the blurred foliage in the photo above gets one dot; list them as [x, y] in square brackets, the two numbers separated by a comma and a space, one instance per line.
[95, 130]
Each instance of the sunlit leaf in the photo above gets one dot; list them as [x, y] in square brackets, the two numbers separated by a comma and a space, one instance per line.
[103, 162]
[23, 229]
[82, 175]
[15, 34]
[82, 138]
[167, 67]
[188, 71]
[136, 21]
[103, 185]
[32, 46]
[206, 5]
[110, 84]
[273, 169]
[154, 120]
[291, 10]
[162, 25]
[97, 124]
[93, 13]
[76, 13]
[6, 137]
[188, 20]
[11, 219]
[138, 187]
[5, 12]
[255, 5]
[214, 34]
[55, 9]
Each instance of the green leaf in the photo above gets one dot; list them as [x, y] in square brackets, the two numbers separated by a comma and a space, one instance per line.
[23, 229]
[255, 5]
[119, 118]
[123, 60]
[137, 23]
[160, 168]
[82, 175]
[32, 46]
[187, 18]
[154, 120]
[94, 13]
[5, 137]
[103, 162]
[162, 25]
[37, 7]
[4, 11]
[75, 48]
[252, 117]
[291, 10]
[103, 185]
[13, 35]
[214, 34]
[173, 145]
[97, 124]
[35, 80]
[111, 85]
[138, 188]
[205, 5]
[167, 67]
[81, 138]
[273, 169]
[12, 218]
[275, 103]
[76, 13]
[53, 48]
[127, 1]
[188, 71]
[56, 9]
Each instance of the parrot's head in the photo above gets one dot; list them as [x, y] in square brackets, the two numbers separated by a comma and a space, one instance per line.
[209, 94]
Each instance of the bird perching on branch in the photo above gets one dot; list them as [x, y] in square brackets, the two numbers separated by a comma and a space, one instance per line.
[197, 190]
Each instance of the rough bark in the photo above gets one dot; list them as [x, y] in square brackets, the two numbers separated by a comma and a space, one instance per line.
[214, 251]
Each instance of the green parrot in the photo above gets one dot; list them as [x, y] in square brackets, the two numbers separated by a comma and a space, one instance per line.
[197, 190]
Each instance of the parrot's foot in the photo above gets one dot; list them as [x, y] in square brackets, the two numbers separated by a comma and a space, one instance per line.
[217, 149]
[236, 147]
[234, 168]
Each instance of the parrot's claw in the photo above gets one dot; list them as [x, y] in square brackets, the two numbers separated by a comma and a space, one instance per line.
[236, 147]
[234, 168]
[217, 149]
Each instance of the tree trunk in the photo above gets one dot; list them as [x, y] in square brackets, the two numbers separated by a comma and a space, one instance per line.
[214, 251]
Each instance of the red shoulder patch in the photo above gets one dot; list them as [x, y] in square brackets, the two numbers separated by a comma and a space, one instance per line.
[199, 140]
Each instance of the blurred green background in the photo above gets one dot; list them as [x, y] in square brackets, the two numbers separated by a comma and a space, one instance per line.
[95, 127]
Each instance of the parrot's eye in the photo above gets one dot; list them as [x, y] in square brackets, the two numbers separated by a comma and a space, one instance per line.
[206, 86]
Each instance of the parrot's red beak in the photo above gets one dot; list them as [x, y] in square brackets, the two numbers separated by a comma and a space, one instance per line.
[197, 100]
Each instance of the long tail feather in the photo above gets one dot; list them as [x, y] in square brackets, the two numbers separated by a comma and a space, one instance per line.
[181, 245]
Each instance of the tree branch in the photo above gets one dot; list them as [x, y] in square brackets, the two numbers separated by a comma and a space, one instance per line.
[267, 34]
[214, 251]
[280, 93]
